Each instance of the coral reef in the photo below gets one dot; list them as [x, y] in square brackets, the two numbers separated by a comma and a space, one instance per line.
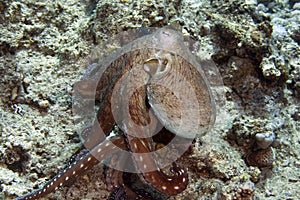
[242, 191]
[254, 44]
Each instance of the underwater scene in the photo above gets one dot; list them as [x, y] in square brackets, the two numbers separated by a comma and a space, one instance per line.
[150, 100]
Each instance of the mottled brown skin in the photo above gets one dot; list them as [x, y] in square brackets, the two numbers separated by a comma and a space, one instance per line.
[143, 67]
[262, 158]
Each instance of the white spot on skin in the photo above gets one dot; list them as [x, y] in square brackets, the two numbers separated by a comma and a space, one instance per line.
[153, 178]
[135, 145]
[143, 143]
[40, 192]
[51, 183]
[54, 180]
[55, 188]
[89, 159]
[81, 166]
[141, 158]
[67, 178]
[183, 180]
[163, 187]
[44, 190]
[169, 179]
[145, 166]
[99, 150]
[60, 184]
[176, 187]
[107, 144]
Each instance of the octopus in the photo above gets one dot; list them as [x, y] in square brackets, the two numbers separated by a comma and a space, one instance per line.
[153, 87]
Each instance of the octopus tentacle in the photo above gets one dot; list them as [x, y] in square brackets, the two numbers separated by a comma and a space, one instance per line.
[162, 182]
[102, 127]
[145, 162]
[107, 147]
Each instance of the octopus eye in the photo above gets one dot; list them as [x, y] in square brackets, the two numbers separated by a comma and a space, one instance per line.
[156, 67]
[165, 62]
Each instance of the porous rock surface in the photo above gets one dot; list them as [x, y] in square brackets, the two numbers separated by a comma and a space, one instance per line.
[254, 44]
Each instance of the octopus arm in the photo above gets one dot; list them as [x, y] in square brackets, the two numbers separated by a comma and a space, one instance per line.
[93, 157]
